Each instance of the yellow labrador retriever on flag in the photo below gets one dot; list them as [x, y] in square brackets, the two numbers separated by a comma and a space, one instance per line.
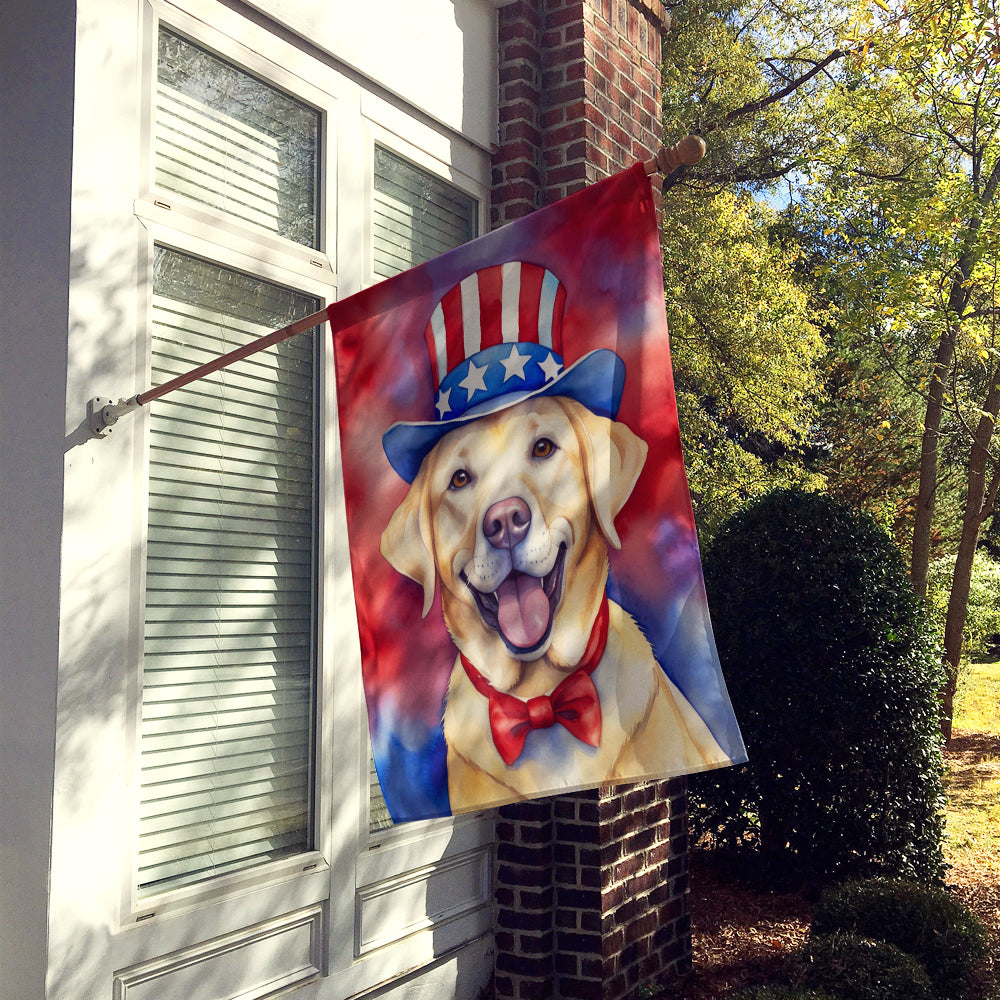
[555, 687]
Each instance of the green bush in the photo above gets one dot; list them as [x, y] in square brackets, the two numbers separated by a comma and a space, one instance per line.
[833, 672]
[856, 968]
[925, 922]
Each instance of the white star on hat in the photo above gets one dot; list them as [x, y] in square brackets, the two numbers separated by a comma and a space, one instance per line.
[514, 364]
[473, 381]
[550, 367]
[443, 405]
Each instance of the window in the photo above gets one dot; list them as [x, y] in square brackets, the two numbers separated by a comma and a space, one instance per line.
[416, 216]
[253, 804]
[227, 140]
[210, 831]
[228, 679]
[229, 646]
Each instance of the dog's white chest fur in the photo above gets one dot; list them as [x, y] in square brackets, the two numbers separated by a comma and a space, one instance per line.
[647, 728]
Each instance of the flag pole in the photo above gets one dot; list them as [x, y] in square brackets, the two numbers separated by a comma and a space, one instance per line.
[103, 413]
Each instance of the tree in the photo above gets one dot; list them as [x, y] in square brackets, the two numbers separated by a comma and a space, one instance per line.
[747, 352]
[912, 189]
[879, 123]
[746, 75]
[747, 358]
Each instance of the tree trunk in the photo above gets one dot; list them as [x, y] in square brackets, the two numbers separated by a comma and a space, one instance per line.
[958, 299]
[980, 499]
[920, 553]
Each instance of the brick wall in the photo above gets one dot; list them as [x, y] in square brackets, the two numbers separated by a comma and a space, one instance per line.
[579, 96]
[591, 893]
[591, 889]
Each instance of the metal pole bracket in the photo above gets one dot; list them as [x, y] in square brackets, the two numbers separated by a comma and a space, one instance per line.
[103, 413]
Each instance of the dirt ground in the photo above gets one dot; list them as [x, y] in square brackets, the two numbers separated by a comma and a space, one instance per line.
[742, 935]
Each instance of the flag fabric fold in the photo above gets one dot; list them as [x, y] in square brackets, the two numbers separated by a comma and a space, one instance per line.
[526, 574]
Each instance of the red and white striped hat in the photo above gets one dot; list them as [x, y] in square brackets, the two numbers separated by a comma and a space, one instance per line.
[494, 340]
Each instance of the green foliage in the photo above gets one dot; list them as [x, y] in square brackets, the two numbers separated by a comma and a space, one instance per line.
[727, 70]
[745, 344]
[833, 673]
[983, 613]
[746, 355]
[926, 922]
[857, 968]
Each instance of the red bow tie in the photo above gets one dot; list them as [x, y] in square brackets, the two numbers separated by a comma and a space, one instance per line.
[574, 703]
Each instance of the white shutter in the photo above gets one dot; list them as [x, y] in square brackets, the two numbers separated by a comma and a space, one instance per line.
[416, 216]
[228, 659]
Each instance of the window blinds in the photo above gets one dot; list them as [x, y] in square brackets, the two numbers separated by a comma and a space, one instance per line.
[416, 216]
[227, 140]
[227, 680]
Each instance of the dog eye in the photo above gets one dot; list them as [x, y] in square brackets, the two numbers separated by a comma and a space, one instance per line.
[459, 479]
[544, 448]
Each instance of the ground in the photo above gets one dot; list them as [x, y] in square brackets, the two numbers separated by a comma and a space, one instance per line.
[742, 935]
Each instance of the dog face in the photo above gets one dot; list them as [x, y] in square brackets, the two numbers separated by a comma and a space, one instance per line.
[511, 514]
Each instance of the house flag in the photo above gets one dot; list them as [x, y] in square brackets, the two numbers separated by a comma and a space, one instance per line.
[529, 592]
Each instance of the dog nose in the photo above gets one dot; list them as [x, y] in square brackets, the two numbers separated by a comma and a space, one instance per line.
[506, 523]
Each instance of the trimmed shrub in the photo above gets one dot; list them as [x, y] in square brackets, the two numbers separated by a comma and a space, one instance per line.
[925, 922]
[856, 968]
[833, 673]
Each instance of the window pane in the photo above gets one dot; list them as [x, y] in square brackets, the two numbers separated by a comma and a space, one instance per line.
[228, 140]
[416, 217]
[228, 656]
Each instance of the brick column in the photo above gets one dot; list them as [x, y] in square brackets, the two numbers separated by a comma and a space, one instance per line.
[591, 889]
[579, 96]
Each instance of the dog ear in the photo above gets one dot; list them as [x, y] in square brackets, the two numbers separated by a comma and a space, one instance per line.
[613, 457]
[406, 541]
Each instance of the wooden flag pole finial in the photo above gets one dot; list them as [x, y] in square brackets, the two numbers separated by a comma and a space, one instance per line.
[687, 152]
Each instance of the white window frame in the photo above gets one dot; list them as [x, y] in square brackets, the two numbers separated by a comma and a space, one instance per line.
[351, 872]
[179, 224]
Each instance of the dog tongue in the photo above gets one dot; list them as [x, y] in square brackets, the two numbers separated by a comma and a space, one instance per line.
[523, 614]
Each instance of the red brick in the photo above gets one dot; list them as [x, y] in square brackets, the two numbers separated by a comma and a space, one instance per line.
[567, 964]
[563, 55]
[520, 130]
[568, 133]
[535, 944]
[520, 965]
[567, 175]
[519, 876]
[599, 104]
[520, 93]
[581, 989]
[575, 941]
[569, 15]
[531, 899]
[642, 882]
[518, 49]
[521, 920]
[517, 111]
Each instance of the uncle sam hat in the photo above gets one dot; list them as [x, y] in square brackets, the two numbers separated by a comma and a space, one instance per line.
[495, 339]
